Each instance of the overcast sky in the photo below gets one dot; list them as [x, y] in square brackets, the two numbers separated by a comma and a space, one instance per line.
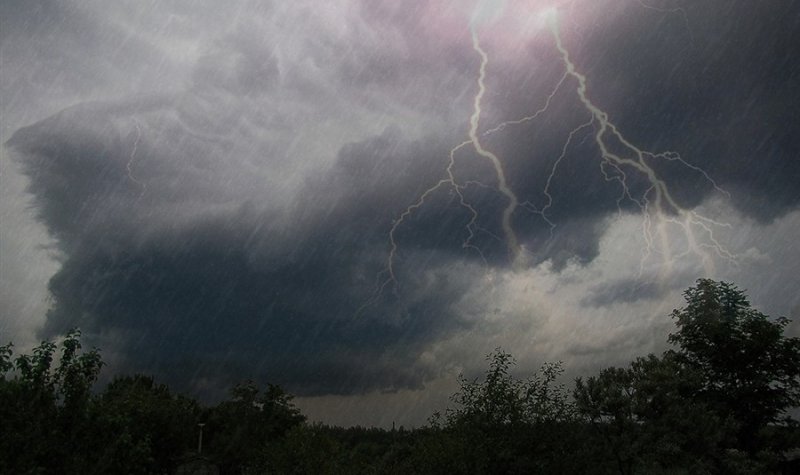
[359, 200]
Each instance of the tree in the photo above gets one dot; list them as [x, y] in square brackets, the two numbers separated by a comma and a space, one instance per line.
[306, 448]
[141, 427]
[239, 429]
[45, 410]
[717, 403]
[503, 424]
[646, 418]
[502, 399]
[748, 368]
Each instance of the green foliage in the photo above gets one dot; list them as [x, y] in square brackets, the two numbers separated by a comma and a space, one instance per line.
[317, 448]
[646, 417]
[305, 449]
[747, 367]
[502, 400]
[503, 424]
[76, 373]
[5, 360]
[45, 410]
[141, 427]
[239, 429]
[717, 404]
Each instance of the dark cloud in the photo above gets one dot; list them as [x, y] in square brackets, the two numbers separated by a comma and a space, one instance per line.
[224, 288]
[719, 90]
[624, 291]
[206, 307]
[205, 234]
[194, 280]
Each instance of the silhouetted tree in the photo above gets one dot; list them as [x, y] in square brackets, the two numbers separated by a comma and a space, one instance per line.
[141, 427]
[748, 368]
[238, 430]
[647, 419]
[716, 404]
[503, 424]
[45, 410]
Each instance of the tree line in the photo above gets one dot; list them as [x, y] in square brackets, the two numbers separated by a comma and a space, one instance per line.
[718, 402]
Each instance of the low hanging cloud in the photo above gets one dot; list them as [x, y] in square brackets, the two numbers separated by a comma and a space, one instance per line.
[239, 223]
[183, 272]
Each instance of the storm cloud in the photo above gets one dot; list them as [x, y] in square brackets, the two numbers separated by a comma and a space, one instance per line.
[225, 196]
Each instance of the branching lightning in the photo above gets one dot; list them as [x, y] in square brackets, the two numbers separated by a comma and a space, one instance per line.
[657, 205]
[535, 115]
[458, 188]
[502, 183]
[543, 211]
[448, 182]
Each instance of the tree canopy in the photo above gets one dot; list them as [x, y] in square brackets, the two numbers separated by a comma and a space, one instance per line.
[747, 367]
[718, 402]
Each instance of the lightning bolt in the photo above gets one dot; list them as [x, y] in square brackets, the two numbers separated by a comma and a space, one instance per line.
[388, 277]
[657, 205]
[449, 181]
[132, 158]
[502, 183]
[678, 10]
[543, 211]
[535, 115]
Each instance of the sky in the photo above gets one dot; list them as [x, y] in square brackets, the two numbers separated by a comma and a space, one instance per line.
[361, 199]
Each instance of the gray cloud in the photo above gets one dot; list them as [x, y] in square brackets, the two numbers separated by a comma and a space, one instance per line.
[237, 220]
[625, 291]
[218, 285]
